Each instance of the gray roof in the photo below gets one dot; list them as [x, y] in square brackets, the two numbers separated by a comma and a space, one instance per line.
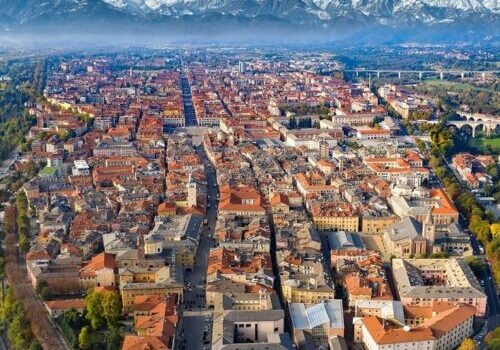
[345, 240]
[254, 346]
[329, 312]
[461, 282]
[408, 228]
[389, 309]
[452, 234]
[249, 316]
[193, 228]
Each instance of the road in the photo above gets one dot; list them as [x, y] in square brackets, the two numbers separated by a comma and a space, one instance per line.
[6, 164]
[493, 303]
[195, 316]
[46, 333]
[187, 99]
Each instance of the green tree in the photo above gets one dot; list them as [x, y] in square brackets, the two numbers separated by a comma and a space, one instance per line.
[112, 307]
[35, 345]
[40, 285]
[453, 190]
[73, 318]
[492, 170]
[94, 310]
[113, 339]
[19, 332]
[84, 338]
[492, 339]
[476, 264]
[46, 294]
[24, 243]
[9, 308]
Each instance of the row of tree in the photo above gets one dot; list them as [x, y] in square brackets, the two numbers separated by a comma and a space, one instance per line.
[305, 109]
[23, 221]
[13, 320]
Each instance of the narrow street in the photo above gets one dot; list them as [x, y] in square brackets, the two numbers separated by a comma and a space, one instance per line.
[195, 316]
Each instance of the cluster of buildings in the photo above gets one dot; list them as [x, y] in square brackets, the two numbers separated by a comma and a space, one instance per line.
[405, 103]
[473, 169]
[118, 205]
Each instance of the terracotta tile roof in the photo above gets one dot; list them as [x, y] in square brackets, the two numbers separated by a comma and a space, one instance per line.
[98, 262]
[386, 334]
[279, 199]
[446, 207]
[149, 302]
[244, 198]
[446, 320]
[133, 342]
[37, 255]
[66, 304]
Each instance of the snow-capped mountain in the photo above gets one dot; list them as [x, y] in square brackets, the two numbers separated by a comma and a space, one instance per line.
[289, 16]
[321, 10]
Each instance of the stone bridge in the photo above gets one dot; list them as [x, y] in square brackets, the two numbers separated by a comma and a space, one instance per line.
[488, 122]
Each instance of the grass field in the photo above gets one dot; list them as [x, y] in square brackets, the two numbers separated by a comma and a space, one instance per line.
[483, 145]
[458, 87]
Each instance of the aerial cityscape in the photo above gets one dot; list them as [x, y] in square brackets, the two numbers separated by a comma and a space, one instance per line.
[264, 181]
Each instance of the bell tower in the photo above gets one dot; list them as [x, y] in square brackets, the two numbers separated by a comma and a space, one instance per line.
[191, 192]
[429, 229]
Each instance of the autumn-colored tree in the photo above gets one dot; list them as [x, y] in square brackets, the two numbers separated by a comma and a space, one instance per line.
[495, 229]
[468, 344]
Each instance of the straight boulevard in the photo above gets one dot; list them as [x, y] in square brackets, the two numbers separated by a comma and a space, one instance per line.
[194, 328]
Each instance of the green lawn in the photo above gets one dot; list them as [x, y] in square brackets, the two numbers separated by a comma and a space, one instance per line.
[458, 87]
[483, 145]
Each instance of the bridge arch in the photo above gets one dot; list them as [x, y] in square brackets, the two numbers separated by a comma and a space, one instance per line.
[467, 129]
[480, 127]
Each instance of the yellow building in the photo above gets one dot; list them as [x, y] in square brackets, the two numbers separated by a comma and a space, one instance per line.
[339, 223]
[295, 292]
[336, 215]
[184, 256]
[129, 291]
[377, 224]
[135, 281]
[142, 274]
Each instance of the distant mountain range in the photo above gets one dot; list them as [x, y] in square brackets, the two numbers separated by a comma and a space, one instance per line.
[228, 18]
